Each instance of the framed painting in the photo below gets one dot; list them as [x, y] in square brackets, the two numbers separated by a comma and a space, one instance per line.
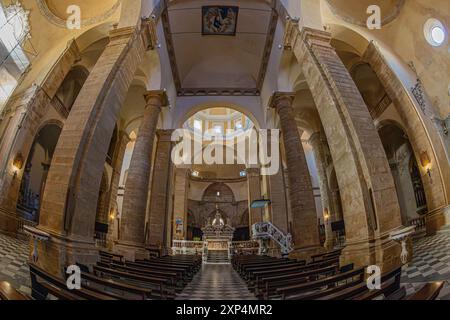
[219, 20]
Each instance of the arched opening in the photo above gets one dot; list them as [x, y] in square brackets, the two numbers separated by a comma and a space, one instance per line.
[221, 185]
[405, 171]
[36, 170]
[71, 86]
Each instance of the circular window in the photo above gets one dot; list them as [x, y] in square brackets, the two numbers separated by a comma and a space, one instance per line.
[435, 32]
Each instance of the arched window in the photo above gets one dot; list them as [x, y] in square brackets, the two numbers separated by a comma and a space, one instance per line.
[14, 61]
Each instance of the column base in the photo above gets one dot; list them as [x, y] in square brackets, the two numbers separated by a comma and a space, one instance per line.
[438, 221]
[384, 253]
[305, 253]
[59, 252]
[131, 251]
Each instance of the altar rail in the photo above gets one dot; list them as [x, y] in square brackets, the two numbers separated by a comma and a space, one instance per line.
[187, 247]
[244, 247]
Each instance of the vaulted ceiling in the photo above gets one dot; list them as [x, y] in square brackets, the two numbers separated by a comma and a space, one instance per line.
[212, 64]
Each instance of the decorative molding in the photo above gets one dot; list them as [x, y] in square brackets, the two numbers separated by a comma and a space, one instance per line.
[57, 21]
[419, 95]
[24, 16]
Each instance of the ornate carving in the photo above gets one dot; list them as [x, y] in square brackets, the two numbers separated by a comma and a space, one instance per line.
[419, 95]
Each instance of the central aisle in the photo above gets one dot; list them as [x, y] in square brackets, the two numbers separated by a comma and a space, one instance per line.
[216, 282]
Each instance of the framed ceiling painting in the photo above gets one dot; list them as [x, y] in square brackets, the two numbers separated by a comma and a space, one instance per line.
[219, 20]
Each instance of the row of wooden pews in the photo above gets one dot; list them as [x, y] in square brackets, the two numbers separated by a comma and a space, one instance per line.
[320, 279]
[114, 278]
[166, 275]
[264, 275]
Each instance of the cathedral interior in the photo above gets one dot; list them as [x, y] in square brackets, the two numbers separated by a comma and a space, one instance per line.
[225, 150]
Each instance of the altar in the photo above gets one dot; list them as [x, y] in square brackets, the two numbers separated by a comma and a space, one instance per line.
[217, 238]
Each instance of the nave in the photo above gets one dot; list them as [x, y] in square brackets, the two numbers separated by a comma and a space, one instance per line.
[221, 282]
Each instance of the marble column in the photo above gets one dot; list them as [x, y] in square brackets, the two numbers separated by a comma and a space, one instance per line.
[132, 224]
[159, 198]
[254, 193]
[181, 189]
[319, 147]
[305, 227]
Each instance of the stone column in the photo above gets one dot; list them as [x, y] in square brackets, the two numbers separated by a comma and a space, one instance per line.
[319, 146]
[424, 138]
[132, 224]
[70, 198]
[305, 228]
[181, 189]
[370, 205]
[117, 162]
[159, 197]
[24, 114]
[276, 190]
[254, 193]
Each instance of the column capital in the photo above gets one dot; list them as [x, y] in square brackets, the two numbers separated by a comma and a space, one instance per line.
[281, 99]
[157, 98]
[121, 33]
[315, 37]
[253, 171]
[164, 134]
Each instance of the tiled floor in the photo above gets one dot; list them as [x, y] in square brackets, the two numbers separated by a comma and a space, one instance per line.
[431, 262]
[13, 263]
[216, 282]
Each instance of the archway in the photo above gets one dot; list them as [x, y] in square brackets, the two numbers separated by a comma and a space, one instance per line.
[36, 170]
[405, 171]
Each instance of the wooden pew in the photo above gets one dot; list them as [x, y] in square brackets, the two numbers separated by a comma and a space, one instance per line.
[266, 287]
[429, 291]
[90, 280]
[44, 283]
[285, 269]
[326, 255]
[7, 292]
[172, 278]
[390, 283]
[299, 291]
[163, 288]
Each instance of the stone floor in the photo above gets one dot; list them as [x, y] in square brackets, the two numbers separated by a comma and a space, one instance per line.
[13, 263]
[431, 262]
[216, 282]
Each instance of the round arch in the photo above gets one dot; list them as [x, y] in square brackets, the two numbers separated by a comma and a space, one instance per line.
[192, 110]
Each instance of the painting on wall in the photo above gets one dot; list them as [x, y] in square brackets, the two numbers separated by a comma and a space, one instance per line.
[219, 20]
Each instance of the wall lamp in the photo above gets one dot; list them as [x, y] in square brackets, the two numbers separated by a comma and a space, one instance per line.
[426, 162]
[17, 164]
[326, 215]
